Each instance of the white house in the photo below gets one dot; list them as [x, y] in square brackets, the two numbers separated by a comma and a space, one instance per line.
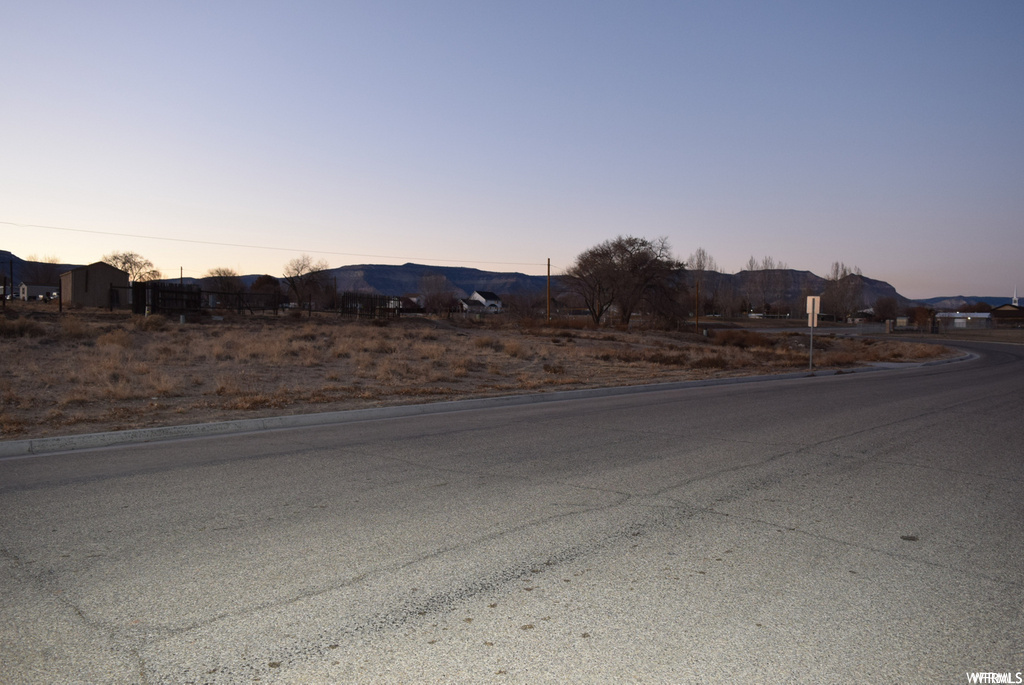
[31, 291]
[490, 301]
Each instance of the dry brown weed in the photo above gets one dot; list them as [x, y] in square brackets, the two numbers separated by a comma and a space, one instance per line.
[85, 373]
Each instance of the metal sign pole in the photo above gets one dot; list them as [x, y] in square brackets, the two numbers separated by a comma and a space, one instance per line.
[813, 305]
[811, 362]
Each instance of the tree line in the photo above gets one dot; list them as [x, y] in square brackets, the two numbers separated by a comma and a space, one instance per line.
[628, 275]
[614, 281]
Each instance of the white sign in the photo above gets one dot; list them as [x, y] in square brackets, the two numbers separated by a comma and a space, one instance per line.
[813, 307]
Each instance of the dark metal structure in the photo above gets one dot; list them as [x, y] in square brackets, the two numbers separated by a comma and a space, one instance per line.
[154, 297]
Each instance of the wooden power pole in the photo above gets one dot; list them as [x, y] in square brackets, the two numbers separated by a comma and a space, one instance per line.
[549, 290]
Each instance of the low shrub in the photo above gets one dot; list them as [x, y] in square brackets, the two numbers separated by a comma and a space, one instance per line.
[117, 337]
[21, 328]
[382, 346]
[836, 358]
[309, 332]
[433, 352]
[517, 350]
[668, 359]
[153, 322]
[73, 328]
[713, 361]
[742, 339]
[488, 342]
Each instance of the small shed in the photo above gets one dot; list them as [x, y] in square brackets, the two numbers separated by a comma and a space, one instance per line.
[95, 285]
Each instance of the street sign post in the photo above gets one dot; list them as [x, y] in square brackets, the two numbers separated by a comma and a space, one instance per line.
[813, 307]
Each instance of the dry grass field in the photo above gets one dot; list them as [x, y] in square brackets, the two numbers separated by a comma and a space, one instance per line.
[85, 372]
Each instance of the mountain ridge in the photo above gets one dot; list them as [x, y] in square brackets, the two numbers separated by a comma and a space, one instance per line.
[410, 278]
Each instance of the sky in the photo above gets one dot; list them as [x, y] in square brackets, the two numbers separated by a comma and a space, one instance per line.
[887, 135]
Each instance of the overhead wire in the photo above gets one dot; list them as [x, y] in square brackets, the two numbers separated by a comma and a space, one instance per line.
[265, 247]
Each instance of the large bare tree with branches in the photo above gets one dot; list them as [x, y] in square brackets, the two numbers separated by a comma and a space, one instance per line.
[138, 267]
[592, 278]
[305, 277]
[625, 272]
[225, 280]
[647, 272]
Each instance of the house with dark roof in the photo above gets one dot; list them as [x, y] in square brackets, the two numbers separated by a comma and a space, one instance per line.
[490, 301]
[471, 306]
[1007, 316]
[37, 291]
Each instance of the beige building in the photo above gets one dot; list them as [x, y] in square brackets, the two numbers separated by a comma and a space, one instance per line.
[95, 285]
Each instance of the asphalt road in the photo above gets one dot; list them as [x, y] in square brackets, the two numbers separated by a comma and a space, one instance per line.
[852, 528]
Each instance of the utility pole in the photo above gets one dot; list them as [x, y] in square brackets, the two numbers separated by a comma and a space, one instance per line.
[549, 290]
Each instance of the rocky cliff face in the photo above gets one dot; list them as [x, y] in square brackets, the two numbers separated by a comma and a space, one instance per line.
[789, 287]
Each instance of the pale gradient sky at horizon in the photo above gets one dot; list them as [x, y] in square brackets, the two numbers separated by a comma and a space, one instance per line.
[887, 135]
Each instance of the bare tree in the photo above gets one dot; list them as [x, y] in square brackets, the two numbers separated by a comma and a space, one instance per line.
[776, 283]
[438, 293]
[764, 283]
[729, 300]
[704, 276]
[886, 308]
[41, 271]
[646, 271]
[592, 278]
[305, 278]
[627, 272]
[753, 284]
[266, 284]
[843, 291]
[225, 280]
[922, 317]
[267, 290]
[138, 267]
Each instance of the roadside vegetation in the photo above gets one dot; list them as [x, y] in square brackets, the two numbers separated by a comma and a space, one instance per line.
[87, 372]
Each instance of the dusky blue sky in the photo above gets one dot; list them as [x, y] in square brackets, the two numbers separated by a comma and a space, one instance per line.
[887, 135]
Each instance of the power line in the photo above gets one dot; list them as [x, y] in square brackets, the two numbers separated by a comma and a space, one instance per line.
[264, 247]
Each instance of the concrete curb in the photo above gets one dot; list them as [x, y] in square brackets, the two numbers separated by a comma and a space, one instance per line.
[17, 449]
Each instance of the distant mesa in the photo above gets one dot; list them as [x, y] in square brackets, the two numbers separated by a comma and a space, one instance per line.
[384, 279]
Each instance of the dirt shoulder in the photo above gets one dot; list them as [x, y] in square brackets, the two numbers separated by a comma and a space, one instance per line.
[95, 371]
